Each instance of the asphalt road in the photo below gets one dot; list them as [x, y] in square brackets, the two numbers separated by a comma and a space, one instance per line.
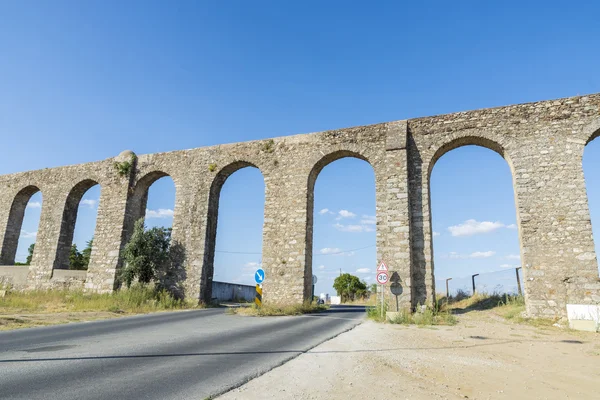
[179, 355]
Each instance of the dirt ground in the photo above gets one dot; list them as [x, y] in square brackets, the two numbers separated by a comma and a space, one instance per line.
[11, 321]
[483, 357]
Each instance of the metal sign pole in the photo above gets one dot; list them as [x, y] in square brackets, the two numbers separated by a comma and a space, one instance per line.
[382, 294]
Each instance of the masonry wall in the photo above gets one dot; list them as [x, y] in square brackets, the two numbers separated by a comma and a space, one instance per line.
[542, 142]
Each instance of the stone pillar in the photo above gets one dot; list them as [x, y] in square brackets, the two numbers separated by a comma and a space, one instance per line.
[11, 220]
[423, 282]
[558, 257]
[287, 243]
[48, 238]
[110, 235]
[393, 222]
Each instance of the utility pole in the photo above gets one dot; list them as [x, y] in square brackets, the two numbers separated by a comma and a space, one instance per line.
[447, 289]
[473, 280]
[518, 281]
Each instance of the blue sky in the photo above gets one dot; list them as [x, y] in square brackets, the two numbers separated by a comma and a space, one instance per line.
[83, 81]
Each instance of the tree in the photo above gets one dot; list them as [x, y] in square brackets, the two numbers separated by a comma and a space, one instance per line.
[30, 254]
[76, 259]
[349, 287]
[146, 255]
[87, 252]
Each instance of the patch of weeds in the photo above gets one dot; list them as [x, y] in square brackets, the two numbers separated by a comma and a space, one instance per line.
[269, 146]
[124, 168]
[212, 167]
[270, 309]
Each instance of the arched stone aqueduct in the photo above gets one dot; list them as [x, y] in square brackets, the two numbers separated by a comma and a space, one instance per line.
[542, 142]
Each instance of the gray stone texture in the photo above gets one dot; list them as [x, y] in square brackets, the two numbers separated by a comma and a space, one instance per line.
[542, 142]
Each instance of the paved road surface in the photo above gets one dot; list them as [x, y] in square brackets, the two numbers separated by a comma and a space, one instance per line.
[180, 355]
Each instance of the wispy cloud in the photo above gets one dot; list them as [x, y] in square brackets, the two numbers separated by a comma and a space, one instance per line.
[513, 257]
[436, 234]
[160, 213]
[34, 204]
[511, 226]
[363, 270]
[89, 202]
[321, 267]
[353, 228]
[368, 220]
[335, 251]
[473, 227]
[477, 254]
[330, 250]
[252, 264]
[509, 266]
[325, 211]
[28, 235]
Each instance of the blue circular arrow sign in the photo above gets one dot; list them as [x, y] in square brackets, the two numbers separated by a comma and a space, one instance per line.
[259, 276]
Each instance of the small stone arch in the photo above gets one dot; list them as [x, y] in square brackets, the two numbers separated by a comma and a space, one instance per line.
[67, 225]
[212, 217]
[14, 224]
[591, 131]
[310, 195]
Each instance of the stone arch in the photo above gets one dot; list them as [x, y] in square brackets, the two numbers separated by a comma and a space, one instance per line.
[310, 195]
[67, 225]
[136, 206]
[456, 143]
[14, 224]
[212, 218]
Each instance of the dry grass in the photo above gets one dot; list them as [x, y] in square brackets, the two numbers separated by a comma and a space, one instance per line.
[44, 307]
[270, 309]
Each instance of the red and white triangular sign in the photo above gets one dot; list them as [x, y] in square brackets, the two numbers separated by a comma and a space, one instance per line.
[382, 267]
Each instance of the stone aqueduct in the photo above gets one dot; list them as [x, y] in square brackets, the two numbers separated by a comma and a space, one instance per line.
[542, 142]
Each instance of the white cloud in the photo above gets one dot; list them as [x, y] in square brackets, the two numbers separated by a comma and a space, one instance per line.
[512, 226]
[325, 211]
[321, 267]
[482, 254]
[28, 235]
[368, 220]
[513, 257]
[335, 251]
[363, 270]
[477, 254]
[509, 266]
[34, 204]
[346, 214]
[89, 202]
[160, 213]
[353, 228]
[436, 234]
[252, 264]
[473, 227]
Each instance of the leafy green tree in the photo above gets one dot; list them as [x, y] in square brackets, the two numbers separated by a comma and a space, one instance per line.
[349, 287]
[30, 253]
[76, 259]
[87, 252]
[146, 255]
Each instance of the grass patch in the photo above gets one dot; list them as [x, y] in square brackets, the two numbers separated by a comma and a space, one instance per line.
[137, 299]
[269, 309]
[428, 317]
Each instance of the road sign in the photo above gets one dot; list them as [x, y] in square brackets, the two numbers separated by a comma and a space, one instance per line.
[314, 280]
[258, 295]
[382, 278]
[395, 277]
[396, 289]
[382, 267]
[259, 276]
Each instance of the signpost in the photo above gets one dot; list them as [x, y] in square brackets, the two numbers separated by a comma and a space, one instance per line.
[314, 282]
[259, 277]
[382, 278]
